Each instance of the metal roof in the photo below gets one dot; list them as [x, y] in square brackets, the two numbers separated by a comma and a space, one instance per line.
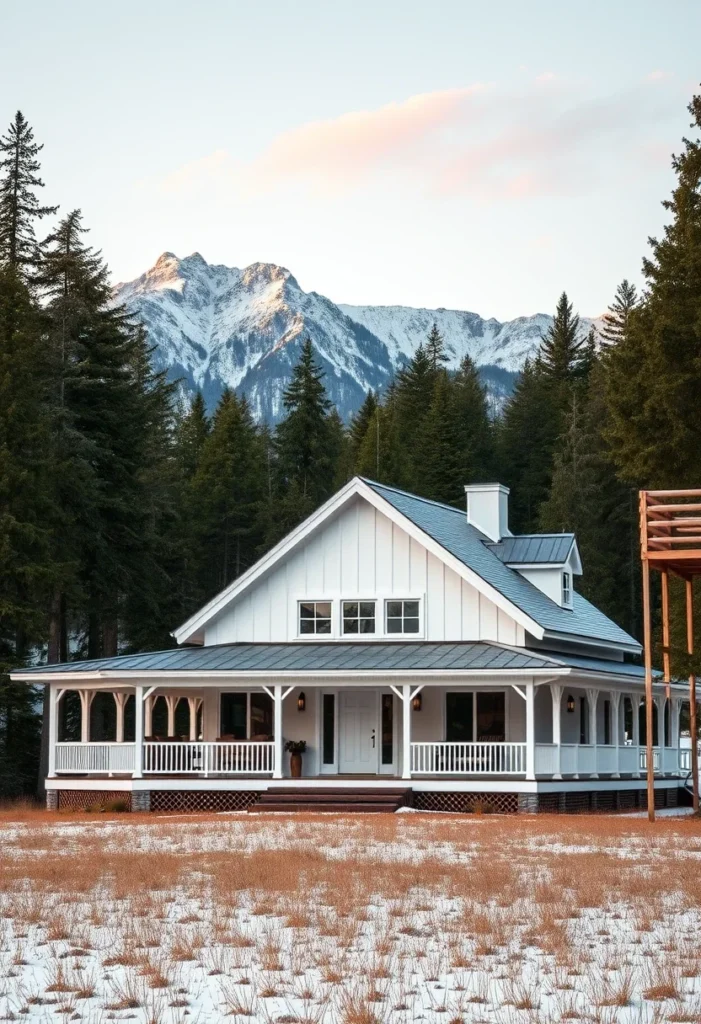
[330, 656]
[534, 549]
[449, 527]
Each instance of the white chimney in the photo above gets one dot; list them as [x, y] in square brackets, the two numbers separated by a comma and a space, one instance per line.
[488, 509]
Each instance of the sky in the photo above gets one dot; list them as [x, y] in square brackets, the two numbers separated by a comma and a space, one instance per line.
[454, 154]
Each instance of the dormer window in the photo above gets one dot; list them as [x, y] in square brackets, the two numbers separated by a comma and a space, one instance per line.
[566, 589]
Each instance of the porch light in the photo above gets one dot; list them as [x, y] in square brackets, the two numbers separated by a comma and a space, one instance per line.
[570, 704]
[416, 702]
[301, 701]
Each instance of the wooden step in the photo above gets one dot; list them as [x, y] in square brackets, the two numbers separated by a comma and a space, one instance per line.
[360, 800]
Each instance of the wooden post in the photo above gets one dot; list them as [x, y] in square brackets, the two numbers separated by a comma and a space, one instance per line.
[530, 731]
[54, 705]
[592, 701]
[635, 733]
[406, 731]
[647, 642]
[616, 729]
[86, 699]
[172, 701]
[665, 630]
[120, 700]
[692, 696]
[277, 730]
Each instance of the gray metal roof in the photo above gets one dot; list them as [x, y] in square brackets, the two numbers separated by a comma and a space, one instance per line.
[449, 527]
[534, 549]
[333, 656]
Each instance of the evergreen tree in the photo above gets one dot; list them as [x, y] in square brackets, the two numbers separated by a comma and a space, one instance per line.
[587, 498]
[360, 422]
[435, 348]
[437, 452]
[470, 427]
[228, 491]
[19, 205]
[303, 457]
[527, 438]
[26, 511]
[654, 372]
[619, 313]
[563, 353]
[191, 432]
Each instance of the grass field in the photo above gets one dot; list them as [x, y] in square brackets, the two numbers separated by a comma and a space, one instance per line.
[304, 919]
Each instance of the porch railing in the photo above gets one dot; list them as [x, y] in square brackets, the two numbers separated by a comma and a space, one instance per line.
[102, 758]
[468, 758]
[235, 758]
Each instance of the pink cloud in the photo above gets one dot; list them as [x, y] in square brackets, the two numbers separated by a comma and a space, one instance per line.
[346, 147]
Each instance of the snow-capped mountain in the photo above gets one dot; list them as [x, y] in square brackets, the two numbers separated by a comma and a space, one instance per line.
[215, 326]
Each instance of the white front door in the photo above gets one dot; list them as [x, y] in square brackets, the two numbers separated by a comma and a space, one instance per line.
[358, 732]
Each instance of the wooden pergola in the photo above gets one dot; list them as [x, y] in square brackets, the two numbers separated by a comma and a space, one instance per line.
[670, 542]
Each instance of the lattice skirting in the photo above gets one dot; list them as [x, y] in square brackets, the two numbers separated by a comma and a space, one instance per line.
[211, 800]
[606, 801]
[81, 799]
[467, 803]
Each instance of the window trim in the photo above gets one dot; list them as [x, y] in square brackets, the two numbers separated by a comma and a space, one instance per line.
[342, 616]
[566, 580]
[403, 600]
[315, 601]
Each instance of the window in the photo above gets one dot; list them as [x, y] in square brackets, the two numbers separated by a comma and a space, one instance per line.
[314, 617]
[402, 616]
[491, 717]
[387, 728]
[566, 588]
[607, 722]
[246, 716]
[358, 616]
[459, 717]
[328, 740]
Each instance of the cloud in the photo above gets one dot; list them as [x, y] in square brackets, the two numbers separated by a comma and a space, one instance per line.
[477, 141]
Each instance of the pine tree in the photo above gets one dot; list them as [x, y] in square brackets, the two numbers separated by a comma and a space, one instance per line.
[654, 372]
[191, 432]
[526, 439]
[470, 427]
[437, 452]
[303, 457]
[359, 424]
[435, 348]
[563, 352]
[26, 512]
[228, 492]
[619, 313]
[19, 206]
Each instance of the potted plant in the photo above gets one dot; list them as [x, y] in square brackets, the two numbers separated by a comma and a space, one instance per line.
[296, 748]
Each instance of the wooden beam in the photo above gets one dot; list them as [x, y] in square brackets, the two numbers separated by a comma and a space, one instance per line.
[692, 697]
[665, 630]
[675, 556]
[647, 644]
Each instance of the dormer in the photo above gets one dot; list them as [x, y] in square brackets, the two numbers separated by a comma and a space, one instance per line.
[549, 561]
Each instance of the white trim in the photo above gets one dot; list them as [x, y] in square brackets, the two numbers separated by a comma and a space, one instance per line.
[193, 626]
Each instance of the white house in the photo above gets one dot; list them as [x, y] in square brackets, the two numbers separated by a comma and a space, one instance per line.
[424, 653]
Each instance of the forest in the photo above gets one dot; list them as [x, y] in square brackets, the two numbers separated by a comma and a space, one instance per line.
[123, 507]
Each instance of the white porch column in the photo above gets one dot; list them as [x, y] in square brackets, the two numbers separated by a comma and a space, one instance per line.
[635, 732]
[138, 732]
[616, 729]
[195, 703]
[86, 699]
[148, 716]
[556, 694]
[54, 702]
[277, 730]
[674, 726]
[171, 704]
[592, 699]
[530, 730]
[120, 700]
[406, 730]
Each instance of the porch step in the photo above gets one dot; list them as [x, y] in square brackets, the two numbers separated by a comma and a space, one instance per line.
[342, 801]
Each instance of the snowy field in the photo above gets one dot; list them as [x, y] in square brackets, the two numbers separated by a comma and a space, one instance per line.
[303, 919]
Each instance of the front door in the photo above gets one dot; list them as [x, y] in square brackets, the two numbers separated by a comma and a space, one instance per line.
[358, 732]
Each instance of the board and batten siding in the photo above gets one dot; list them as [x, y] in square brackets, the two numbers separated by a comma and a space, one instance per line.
[361, 554]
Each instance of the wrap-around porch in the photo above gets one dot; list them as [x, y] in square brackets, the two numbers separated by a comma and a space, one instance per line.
[513, 730]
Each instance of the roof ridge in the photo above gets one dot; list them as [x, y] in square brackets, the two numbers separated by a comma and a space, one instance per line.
[410, 494]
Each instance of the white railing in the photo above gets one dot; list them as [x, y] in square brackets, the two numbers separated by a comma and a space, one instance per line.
[236, 758]
[468, 758]
[84, 758]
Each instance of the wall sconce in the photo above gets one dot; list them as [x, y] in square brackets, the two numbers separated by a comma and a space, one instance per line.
[301, 701]
[416, 702]
[570, 704]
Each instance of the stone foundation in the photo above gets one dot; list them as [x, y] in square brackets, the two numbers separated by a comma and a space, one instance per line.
[141, 800]
[51, 800]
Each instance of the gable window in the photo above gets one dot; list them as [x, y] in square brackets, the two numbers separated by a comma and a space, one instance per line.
[314, 617]
[566, 588]
[402, 616]
[358, 616]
